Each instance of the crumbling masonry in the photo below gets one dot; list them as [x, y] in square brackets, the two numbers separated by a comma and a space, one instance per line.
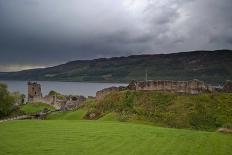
[67, 103]
[186, 87]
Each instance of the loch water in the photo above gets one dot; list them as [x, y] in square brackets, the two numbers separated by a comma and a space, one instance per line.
[66, 88]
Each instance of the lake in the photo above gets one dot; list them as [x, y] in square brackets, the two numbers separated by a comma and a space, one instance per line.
[66, 88]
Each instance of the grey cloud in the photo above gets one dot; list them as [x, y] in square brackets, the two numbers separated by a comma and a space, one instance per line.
[43, 33]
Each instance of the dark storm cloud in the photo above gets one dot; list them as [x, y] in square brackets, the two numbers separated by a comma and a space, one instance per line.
[36, 33]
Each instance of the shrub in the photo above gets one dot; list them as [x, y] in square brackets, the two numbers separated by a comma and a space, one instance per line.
[124, 116]
[90, 104]
[228, 126]
[6, 101]
[93, 114]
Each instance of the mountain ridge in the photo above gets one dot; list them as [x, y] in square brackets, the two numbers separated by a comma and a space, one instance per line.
[211, 66]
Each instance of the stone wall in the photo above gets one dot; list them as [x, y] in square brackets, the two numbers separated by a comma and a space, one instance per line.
[187, 87]
[71, 102]
[51, 100]
[68, 103]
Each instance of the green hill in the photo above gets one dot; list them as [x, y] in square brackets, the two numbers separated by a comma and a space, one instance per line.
[201, 112]
[110, 117]
[211, 66]
[95, 137]
[208, 111]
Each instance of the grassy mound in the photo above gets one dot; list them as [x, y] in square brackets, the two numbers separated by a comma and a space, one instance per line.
[31, 108]
[109, 117]
[95, 137]
[203, 112]
[68, 115]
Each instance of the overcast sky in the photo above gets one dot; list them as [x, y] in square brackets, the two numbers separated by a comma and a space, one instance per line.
[39, 33]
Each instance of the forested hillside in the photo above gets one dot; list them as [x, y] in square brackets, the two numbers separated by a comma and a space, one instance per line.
[214, 67]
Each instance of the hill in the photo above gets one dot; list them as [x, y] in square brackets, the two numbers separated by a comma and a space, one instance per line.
[209, 111]
[201, 112]
[95, 137]
[211, 66]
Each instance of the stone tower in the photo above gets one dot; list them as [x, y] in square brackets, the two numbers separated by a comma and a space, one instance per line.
[34, 91]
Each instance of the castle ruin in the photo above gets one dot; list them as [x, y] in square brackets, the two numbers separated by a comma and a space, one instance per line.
[66, 103]
[35, 94]
[184, 87]
[34, 91]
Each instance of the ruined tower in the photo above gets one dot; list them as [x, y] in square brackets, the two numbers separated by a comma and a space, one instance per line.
[34, 91]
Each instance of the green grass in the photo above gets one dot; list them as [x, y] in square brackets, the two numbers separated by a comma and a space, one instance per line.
[95, 137]
[31, 108]
[68, 115]
[110, 117]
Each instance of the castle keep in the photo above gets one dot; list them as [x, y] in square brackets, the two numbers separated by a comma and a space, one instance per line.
[34, 91]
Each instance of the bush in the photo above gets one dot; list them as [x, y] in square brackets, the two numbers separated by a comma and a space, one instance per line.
[93, 114]
[228, 126]
[124, 116]
[6, 101]
[90, 104]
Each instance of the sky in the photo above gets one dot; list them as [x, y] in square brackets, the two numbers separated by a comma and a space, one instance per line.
[41, 33]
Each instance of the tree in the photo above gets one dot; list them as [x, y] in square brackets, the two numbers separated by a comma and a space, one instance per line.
[23, 96]
[6, 101]
[19, 98]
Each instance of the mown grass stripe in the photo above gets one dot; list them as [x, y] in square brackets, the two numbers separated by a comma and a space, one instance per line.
[96, 137]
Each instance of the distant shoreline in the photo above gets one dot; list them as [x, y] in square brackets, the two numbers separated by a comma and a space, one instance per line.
[66, 88]
[69, 81]
[212, 67]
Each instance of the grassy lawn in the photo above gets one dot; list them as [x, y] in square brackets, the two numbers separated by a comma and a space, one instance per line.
[95, 137]
[31, 108]
[69, 115]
